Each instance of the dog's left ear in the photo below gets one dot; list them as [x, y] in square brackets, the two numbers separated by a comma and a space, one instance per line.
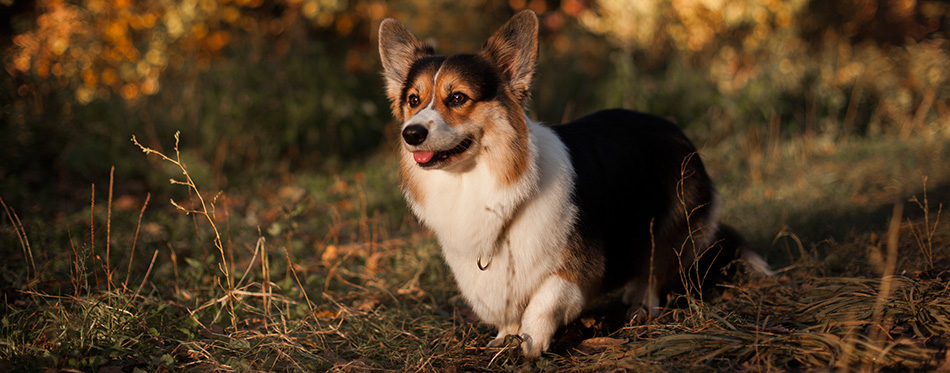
[398, 49]
[514, 50]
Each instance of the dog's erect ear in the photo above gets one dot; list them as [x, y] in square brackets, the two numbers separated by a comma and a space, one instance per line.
[514, 49]
[398, 49]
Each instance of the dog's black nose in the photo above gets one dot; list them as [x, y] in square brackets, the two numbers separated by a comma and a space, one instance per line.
[415, 134]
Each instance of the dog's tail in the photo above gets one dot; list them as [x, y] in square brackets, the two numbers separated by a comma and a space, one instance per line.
[757, 263]
[718, 264]
[741, 250]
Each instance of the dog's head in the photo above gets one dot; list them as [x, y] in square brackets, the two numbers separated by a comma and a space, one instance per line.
[456, 109]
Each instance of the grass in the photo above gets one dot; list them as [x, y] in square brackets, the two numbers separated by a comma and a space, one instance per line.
[328, 272]
[285, 244]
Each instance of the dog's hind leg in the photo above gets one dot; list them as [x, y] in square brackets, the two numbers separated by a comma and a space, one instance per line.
[637, 293]
[555, 303]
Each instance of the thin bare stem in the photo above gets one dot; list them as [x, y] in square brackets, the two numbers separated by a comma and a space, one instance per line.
[259, 246]
[265, 273]
[691, 234]
[147, 272]
[651, 279]
[77, 275]
[224, 267]
[92, 230]
[924, 239]
[21, 235]
[290, 265]
[887, 279]
[128, 272]
[109, 232]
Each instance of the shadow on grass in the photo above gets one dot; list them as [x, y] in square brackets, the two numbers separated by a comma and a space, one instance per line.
[812, 226]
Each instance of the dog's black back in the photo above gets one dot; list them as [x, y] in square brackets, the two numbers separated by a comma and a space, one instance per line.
[663, 182]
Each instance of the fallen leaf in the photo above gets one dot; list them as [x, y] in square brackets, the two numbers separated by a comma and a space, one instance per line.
[369, 305]
[291, 193]
[592, 345]
[126, 202]
[329, 253]
[372, 263]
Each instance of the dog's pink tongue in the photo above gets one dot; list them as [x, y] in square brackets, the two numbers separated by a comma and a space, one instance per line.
[422, 157]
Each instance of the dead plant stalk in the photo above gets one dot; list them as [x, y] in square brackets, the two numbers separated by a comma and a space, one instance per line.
[925, 239]
[109, 232]
[21, 235]
[135, 238]
[204, 211]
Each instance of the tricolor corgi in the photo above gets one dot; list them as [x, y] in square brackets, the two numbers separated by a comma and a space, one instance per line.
[537, 221]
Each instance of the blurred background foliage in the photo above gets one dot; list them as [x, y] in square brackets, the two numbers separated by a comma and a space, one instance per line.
[264, 89]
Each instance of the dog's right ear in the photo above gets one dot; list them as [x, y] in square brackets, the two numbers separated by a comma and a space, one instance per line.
[398, 49]
[514, 49]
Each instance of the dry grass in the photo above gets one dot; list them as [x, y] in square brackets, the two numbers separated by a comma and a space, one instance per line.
[329, 273]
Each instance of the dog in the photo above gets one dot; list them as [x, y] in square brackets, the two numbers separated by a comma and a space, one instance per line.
[538, 221]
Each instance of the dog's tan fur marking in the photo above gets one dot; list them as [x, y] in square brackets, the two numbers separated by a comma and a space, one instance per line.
[422, 87]
[582, 267]
[409, 184]
[517, 159]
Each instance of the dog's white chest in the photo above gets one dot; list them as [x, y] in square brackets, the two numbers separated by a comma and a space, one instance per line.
[517, 231]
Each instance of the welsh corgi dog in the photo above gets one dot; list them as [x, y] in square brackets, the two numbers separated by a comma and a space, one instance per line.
[538, 221]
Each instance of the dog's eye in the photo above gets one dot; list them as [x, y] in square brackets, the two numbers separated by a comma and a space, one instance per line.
[414, 100]
[457, 99]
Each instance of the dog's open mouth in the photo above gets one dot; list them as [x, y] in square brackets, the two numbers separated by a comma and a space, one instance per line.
[428, 159]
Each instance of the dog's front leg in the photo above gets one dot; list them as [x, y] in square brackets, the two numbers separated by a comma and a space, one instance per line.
[556, 302]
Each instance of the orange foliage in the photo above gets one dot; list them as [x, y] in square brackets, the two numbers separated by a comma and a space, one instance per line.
[97, 48]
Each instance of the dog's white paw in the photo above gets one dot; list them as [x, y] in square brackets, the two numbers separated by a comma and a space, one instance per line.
[497, 342]
[532, 348]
